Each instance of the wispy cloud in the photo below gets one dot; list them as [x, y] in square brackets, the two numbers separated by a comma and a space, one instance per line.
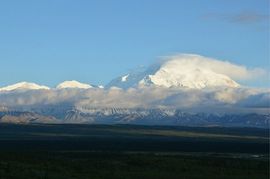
[247, 17]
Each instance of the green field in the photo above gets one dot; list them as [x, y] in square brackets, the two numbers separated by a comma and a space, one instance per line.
[126, 151]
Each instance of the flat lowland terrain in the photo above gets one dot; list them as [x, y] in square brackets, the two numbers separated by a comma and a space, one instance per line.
[127, 151]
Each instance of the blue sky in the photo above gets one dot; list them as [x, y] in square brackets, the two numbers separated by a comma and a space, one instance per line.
[94, 41]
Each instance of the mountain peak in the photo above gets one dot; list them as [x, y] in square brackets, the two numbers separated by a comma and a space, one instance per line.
[187, 70]
[73, 84]
[24, 86]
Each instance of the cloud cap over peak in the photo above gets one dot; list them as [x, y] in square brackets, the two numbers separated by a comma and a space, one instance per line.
[232, 70]
[191, 71]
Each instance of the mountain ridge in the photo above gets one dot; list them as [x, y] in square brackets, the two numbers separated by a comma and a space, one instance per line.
[170, 117]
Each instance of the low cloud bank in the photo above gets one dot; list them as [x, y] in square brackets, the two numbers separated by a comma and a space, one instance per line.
[209, 97]
[243, 99]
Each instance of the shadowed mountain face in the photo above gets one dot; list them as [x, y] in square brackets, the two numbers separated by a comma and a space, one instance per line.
[25, 117]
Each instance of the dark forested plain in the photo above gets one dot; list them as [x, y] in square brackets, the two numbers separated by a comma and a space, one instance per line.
[130, 151]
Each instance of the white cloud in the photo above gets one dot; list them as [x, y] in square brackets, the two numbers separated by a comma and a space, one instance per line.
[149, 97]
[234, 71]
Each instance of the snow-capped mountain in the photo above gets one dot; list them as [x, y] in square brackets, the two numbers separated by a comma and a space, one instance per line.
[73, 84]
[24, 86]
[191, 71]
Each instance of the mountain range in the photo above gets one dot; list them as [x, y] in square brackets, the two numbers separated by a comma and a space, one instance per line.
[133, 116]
[157, 95]
[191, 71]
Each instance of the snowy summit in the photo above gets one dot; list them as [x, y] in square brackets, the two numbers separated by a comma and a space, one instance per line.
[24, 86]
[73, 84]
[190, 71]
